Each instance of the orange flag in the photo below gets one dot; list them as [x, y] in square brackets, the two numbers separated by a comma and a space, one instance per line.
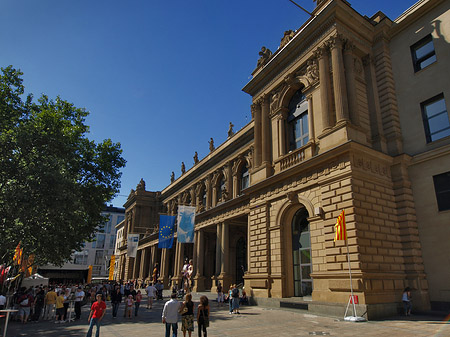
[340, 229]
[18, 255]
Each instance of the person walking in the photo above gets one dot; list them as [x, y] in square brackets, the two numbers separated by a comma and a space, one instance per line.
[50, 302]
[203, 316]
[60, 307]
[151, 293]
[406, 299]
[98, 310]
[79, 296]
[235, 300]
[116, 299]
[137, 302]
[219, 290]
[129, 306]
[187, 315]
[230, 302]
[170, 315]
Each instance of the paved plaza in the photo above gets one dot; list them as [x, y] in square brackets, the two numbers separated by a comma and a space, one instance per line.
[253, 321]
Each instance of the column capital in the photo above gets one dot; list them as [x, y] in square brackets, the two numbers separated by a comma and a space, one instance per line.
[349, 47]
[336, 41]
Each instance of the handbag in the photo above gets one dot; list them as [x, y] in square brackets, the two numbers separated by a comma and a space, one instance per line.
[184, 310]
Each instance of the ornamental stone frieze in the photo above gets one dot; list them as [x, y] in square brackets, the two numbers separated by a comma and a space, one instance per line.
[288, 36]
[371, 165]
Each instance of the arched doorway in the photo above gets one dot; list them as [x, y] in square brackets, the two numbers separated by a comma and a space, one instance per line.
[301, 254]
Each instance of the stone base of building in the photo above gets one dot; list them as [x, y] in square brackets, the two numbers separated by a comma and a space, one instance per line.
[199, 283]
[368, 311]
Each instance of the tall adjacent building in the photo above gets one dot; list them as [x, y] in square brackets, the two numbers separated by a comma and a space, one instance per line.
[349, 114]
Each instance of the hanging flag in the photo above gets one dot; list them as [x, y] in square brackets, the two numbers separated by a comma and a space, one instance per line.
[111, 267]
[132, 244]
[89, 276]
[29, 265]
[18, 255]
[340, 229]
[186, 221]
[166, 224]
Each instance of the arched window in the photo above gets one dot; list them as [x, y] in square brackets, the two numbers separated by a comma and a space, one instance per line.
[297, 121]
[245, 178]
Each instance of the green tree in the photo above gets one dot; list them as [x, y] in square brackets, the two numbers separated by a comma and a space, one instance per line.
[54, 181]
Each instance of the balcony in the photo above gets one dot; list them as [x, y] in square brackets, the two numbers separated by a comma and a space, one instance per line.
[295, 157]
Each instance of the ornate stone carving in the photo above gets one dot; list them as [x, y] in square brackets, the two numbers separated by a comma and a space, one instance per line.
[131, 194]
[288, 35]
[275, 102]
[172, 177]
[254, 107]
[289, 79]
[293, 198]
[358, 66]
[265, 55]
[211, 145]
[183, 168]
[141, 185]
[312, 72]
[230, 130]
[195, 158]
[336, 41]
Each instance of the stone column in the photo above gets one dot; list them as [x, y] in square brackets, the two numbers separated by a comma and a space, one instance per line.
[339, 82]
[256, 112]
[265, 130]
[142, 265]
[349, 63]
[282, 130]
[199, 277]
[208, 192]
[225, 276]
[325, 87]
[229, 181]
[164, 267]
[218, 248]
[310, 119]
[177, 276]
[152, 260]
[194, 259]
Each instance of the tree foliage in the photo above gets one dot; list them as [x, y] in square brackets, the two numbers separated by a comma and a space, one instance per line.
[54, 181]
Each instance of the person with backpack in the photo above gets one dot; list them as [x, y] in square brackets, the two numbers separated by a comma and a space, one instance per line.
[235, 300]
[25, 302]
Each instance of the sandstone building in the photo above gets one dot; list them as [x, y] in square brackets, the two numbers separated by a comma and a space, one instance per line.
[342, 119]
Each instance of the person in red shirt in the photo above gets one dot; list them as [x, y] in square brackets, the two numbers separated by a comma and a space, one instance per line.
[98, 310]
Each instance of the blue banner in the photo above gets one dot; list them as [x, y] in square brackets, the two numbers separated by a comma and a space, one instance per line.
[186, 221]
[166, 231]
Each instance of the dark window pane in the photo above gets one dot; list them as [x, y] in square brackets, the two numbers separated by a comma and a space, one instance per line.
[442, 189]
[439, 135]
[306, 272]
[438, 122]
[425, 49]
[435, 107]
[427, 62]
[306, 256]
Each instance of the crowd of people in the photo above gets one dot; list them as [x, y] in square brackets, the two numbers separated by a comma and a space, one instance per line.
[58, 303]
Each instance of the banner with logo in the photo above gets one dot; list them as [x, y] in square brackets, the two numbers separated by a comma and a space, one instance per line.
[186, 221]
[166, 224]
[111, 267]
[132, 244]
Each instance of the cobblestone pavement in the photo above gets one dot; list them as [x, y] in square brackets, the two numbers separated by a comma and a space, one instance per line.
[253, 321]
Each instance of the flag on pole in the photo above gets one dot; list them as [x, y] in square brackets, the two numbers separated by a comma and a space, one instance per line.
[186, 221]
[111, 267]
[340, 229]
[18, 255]
[166, 229]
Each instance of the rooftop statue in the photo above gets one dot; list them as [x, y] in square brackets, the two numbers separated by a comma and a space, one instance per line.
[265, 55]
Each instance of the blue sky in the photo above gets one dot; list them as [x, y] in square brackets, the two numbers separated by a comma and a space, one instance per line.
[160, 77]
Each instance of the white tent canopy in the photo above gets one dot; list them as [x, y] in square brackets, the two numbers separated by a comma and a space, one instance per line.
[34, 280]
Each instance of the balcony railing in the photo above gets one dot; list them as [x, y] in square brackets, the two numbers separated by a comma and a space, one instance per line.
[295, 157]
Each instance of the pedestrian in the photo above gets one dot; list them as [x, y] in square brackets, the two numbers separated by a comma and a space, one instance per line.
[38, 304]
[116, 299]
[187, 315]
[79, 296]
[25, 302]
[406, 298]
[50, 302]
[129, 306]
[170, 315]
[96, 314]
[151, 292]
[230, 304]
[66, 303]
[60, 307]
[219, 290]
[137, 302]
[2, 301]
[235, 300]
[155, 273]
[203, 316]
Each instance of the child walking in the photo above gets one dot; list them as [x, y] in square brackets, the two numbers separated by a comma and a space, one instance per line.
[137, 303]
[129, 306]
